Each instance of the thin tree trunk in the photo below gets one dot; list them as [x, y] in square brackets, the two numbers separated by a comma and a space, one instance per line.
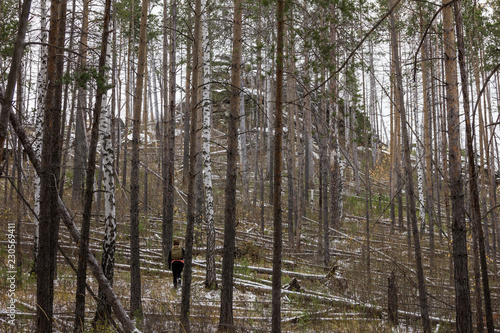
[185, 161]
[15, 65]
[192, 196]
[410, 191]
[89, 187]
[473, 185]
[278, 127]
[169, 142]
[81, 145]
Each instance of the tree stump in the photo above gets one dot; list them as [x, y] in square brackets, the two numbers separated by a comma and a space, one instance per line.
[392, 298]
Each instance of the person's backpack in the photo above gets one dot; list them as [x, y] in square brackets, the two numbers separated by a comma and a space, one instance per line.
[176, 253]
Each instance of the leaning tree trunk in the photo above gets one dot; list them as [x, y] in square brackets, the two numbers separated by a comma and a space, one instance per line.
[459, 231]
[473, 186]
[135, 270]
[109, 241]
[410, 191]
[108, 245]
[210, 279]
[89, 190]
[15, 66]
[66, 216]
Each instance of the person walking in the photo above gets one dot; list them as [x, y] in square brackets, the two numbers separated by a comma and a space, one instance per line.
[176, 262]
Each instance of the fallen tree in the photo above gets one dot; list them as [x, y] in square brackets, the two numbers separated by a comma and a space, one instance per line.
[96, 269]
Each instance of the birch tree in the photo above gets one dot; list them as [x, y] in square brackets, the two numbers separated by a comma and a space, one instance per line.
[37, 143]
[210, 279]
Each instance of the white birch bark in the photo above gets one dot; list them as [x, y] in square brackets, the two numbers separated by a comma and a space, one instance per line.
[269, 114]
[242, 141]
[108, 160]
[155, 96]
[420, 161]
[37, 143]
[210, 280]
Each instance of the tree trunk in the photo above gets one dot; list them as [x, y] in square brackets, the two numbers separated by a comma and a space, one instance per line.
[50, 170]
[135, 272]
[410, 191]
[185, 160]
[66, 217]
[37, 143]
[278, 127]
[81, 145]
[473, 185]
[210, 279]
[226, 308]
[169, 131]
[192, 196]
[459, 232]
[12, 78]
[89, 187]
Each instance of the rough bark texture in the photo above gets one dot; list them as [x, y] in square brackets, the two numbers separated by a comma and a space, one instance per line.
[459, 231]
[50, 170]
[169, 129]
[226, 309]
[278, 127]
[37, 143]
[135, 272]
[192, 196]
[210, 279]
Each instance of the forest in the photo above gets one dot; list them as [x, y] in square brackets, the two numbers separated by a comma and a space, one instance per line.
[327, 165]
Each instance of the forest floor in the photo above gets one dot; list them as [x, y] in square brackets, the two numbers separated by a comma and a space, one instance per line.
[341, 298]
[348, 295]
